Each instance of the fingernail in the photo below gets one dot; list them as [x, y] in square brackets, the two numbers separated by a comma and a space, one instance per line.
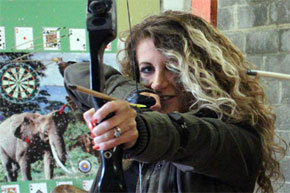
[92, 124]
[95, 121]
[96, 147]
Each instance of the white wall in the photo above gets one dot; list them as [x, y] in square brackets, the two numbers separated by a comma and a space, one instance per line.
[179, 5]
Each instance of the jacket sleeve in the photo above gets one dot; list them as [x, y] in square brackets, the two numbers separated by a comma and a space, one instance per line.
[203, 145]
[116, 85]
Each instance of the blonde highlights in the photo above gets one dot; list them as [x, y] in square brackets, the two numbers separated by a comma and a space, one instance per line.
[213, 71]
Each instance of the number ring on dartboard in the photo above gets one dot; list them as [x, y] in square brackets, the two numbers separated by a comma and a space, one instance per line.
[19, 83]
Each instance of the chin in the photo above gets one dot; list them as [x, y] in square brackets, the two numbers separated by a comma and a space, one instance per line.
[169, 107]
[168, 110]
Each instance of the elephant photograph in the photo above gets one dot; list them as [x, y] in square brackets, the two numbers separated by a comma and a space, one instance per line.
[29, 137]
[37, 146]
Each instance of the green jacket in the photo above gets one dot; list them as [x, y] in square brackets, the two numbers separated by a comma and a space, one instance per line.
[182, 152]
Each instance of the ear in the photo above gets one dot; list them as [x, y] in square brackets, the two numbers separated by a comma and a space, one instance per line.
[19, 130]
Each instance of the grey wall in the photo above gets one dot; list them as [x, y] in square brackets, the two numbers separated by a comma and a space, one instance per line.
[261, 29]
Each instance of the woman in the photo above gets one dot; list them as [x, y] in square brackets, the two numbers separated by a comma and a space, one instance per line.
[210, 130]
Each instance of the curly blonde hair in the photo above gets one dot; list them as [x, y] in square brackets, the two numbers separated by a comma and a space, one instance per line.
[213, 71]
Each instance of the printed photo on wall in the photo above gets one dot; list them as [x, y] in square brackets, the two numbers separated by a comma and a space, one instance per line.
[44, 141]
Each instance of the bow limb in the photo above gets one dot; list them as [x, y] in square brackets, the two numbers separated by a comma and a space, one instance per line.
[102, 27]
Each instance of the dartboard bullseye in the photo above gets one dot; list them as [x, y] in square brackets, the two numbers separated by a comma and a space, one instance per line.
[19, 82]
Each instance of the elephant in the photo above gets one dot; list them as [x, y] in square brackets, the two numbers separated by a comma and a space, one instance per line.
[28, 137]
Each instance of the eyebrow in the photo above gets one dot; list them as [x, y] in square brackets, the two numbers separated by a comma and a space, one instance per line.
[145, 62]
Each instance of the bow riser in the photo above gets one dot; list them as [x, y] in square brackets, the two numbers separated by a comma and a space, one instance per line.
[101, 26]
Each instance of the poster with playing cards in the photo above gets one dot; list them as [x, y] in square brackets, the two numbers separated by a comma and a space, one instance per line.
[23, 38]
[51, 38]
[10, 188]
[87, 184]
[2, 38]
[38, 188]
[77, 40]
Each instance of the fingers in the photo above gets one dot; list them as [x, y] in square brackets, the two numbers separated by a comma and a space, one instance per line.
[123, 113]
[108, 140]
[88, 115]
[102, 132]
[157, 105]
[104, 127]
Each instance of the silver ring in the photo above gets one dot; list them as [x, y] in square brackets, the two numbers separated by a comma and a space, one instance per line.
[117, 132]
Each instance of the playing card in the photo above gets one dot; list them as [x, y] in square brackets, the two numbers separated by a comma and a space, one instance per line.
[38, 188]
[24, 38]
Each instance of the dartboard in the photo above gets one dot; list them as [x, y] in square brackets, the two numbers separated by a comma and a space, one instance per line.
[19, 82]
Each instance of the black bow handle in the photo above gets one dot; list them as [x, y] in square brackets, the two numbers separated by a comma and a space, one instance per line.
[102, 28]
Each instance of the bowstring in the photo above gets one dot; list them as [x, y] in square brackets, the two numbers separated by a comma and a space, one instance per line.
[136, 81]
[132, 49]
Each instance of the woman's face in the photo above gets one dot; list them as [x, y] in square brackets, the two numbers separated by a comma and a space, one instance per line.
[153, 74]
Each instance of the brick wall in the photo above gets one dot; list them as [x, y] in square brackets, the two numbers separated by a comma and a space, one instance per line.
[261, 29]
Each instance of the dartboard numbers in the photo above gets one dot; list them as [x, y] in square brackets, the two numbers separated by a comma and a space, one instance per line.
[19, 83]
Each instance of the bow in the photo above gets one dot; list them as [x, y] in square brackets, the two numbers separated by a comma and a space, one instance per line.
[101, 26]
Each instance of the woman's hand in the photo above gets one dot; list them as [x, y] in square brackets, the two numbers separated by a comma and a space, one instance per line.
[157, 105]
[103, 133]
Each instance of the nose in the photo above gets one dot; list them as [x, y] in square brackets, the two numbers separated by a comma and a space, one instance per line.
[160, 81]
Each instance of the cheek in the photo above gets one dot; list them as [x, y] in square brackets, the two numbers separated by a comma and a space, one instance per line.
[172, 78]
[175, 86]
[145, 82]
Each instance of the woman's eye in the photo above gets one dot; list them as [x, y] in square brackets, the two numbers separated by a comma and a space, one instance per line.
[146, 69]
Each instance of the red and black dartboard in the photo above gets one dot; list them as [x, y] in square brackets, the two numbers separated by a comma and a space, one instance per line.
[19, 82]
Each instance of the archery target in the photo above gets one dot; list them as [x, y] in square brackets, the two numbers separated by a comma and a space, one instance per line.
[85, 166]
